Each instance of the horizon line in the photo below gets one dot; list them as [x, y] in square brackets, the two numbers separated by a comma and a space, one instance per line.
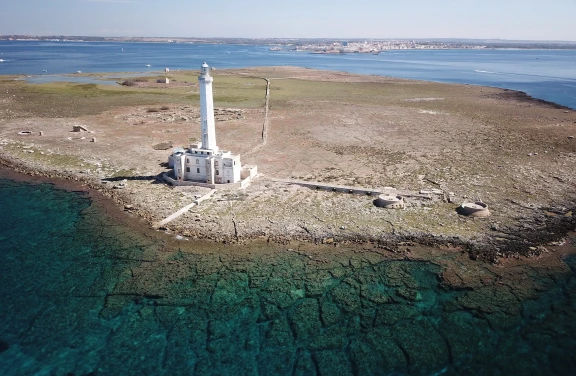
[299, 38]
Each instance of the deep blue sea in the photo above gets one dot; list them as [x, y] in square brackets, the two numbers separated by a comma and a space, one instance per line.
[82, 293]
[545, 74]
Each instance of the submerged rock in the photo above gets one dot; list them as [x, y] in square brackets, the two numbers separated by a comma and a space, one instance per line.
[123, 302]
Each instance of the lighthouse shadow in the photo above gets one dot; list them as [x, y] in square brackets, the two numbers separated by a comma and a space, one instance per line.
[154, 179]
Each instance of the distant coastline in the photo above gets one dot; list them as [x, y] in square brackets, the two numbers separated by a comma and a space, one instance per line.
[318, 44]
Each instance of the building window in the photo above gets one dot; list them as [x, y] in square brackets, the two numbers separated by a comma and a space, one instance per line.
[217, 172]
[216, 163]
[187, 160]
[187, 169]
[234, 163]
[198, 170]
[209, 153]
[197, 161]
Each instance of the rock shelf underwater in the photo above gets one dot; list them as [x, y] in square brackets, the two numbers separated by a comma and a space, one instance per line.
[82, 294]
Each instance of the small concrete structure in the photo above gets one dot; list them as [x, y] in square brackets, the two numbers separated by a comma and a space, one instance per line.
[390, 202]
[475, 209]
[120, 185]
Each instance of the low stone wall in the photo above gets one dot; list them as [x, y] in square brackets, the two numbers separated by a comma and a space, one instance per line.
[187, 183]
[337, 188]
[422, 195]
[249, 171]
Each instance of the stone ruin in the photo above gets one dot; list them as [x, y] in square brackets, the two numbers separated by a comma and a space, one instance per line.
[79, 128]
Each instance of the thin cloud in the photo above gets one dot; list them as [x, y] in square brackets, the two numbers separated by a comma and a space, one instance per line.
[115, 32]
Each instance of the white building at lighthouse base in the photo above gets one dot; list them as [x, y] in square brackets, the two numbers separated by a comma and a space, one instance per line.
[207, 167]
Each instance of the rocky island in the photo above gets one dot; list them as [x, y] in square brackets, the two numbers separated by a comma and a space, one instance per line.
[437, 144]
[298, 273]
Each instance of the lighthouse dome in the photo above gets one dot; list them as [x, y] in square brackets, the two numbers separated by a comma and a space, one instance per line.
[205, 70]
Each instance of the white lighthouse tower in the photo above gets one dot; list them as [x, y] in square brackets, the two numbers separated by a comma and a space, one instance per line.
[203, 163]
[207, 109]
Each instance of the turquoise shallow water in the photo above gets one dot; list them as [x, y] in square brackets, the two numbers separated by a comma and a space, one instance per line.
[81, 294]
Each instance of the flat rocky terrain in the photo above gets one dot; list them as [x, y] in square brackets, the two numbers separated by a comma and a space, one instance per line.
[514, 153]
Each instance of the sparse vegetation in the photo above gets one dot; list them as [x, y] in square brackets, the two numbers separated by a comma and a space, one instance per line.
[134, 81]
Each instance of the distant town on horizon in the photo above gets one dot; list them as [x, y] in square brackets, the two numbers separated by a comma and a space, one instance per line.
[319, 44]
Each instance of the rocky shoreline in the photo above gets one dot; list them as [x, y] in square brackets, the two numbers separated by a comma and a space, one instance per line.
[501, 147]
[530, 240]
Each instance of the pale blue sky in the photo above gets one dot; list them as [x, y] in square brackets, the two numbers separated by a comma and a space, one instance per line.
[494, 19]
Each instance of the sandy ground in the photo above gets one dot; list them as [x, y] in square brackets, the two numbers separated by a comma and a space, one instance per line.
[516, 154]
